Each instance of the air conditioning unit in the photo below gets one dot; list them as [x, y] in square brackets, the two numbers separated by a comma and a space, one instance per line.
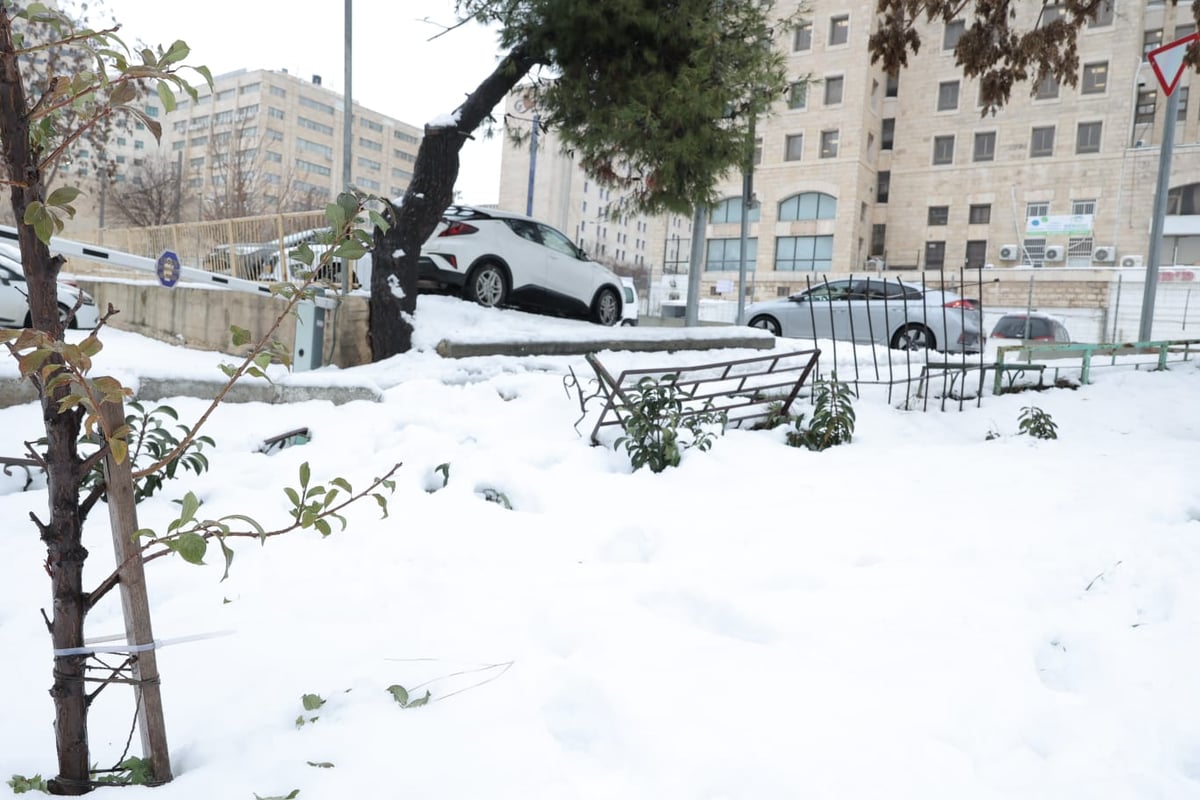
[875, 264]
[1010, 252]
[1104, 254]
[1131, 261]
[1055, 252]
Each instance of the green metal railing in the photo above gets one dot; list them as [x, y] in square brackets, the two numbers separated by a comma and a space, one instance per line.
[1027, 353]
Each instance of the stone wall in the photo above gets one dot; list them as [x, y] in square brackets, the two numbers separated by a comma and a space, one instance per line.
[200, 317]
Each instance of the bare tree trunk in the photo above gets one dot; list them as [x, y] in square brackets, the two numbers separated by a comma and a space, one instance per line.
[65, 551]
[396, 252]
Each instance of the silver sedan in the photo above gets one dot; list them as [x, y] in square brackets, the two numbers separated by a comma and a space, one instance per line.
[875, 310]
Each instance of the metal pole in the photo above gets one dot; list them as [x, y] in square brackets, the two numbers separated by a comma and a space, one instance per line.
[747, 196]
[695, 265]
[533, 145]
[347, 123]
[1162, 187]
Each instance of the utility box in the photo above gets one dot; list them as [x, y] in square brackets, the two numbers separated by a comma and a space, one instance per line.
[309, 344]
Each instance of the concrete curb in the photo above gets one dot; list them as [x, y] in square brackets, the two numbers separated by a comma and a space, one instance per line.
[15, 393]
[448, 349]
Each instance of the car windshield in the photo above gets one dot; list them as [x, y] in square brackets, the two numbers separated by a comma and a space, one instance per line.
[1013, 327]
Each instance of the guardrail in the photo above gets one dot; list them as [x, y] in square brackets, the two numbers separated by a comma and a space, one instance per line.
[1161, 351]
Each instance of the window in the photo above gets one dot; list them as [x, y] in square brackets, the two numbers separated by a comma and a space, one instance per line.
[198, 140]
[730, 210]
[833, 90]
[316, 105]
[938, 215]
[1083, 207]
[793, 147]
[935, 255]
[757, 150]
[367, 183]
[278, 91]
[370, 145]
[1095, 78]
[1087, 137]
[798, 95]
[121, 141]
[1104, 15]
[1151, 40]
[954, 31]
[883, 185]
[976, 253]
[1184, 30]
[1041, 209]
[368, 163]
[887, 136]
[1181, 115]
[275, 157]
[803, 38]
[313, 125]
[1147, 100]
[139, 145]
[943, 150]
[878, 239]
[151, 111]
[985, 146]
[804, 253]
[808, 205]
[947, 96]
[225, 94]
[371, 125]
[839, 29]
[1047, 89]
[308, 166]
[979, 214]
[892, 88]
[1041, 142]
[724, 254]
[829, 144]
[406, 175]
[196, 163]
[249, 88]
[314, 147]
[275, 113]
[405, 137]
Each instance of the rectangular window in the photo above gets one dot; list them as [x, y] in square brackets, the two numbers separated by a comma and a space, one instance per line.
[794, 147]
[1083, 207]
[275, 157]
[368, 163]
[935, 255]
[985, 146]
[798, 95]
[249, 88]
[947, 96]
[839, 29]
[275, 113]
[316, 105]
[892, 87]
[1184, 30]
[954, 31]
[151, 111]
[1104, 15]
[938, 215]
[976, 253]
[943, 150]
[887, 135]
[878, 239]
[883, 186]
[1151, 40]
[198, 140]
[1047, 89]
[314, 147]
[370, 145]
[1147, 100]
[405, 137]
[139, 145]
[1087, 137]
[371, 125]
[196, 163]
[278, 91]
[803, 38]
[1095, 78]
[1041, 142]
[724, 255]
[225, 94]
[1041, 209]
[979, 214]
[316, 169]
[367, 183]
[804, 253]
[313, 125]
[833, 90]
[829, 144]
[1181, 114]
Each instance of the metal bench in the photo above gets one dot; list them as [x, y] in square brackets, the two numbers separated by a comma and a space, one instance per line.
[748, 389]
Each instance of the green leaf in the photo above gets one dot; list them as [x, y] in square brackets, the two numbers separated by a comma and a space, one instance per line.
[166, 96]
[62, 195]
[399, 694]
[228, 554]
[312, 702]
[190, 546]
[190, 505]
[178, 51]
[240, 336]
[305, 474]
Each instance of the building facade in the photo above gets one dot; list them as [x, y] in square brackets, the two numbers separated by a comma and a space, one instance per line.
[859, 170]
[258, 142]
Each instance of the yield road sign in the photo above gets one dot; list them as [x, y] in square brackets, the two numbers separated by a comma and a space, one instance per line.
[1168, 61]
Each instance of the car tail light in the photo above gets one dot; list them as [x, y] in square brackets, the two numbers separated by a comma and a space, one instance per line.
[458, 229]
[960, 304]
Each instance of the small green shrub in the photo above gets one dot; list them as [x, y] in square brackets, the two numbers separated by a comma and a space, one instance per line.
[1037, 423]
[659, 426]
[832, 419]
[20, 784]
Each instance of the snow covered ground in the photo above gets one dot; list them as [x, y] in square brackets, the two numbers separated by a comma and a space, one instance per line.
[924, 613]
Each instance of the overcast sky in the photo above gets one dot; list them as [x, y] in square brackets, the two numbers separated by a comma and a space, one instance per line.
[396, 69]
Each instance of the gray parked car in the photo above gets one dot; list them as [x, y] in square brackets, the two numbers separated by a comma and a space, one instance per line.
[880, 310]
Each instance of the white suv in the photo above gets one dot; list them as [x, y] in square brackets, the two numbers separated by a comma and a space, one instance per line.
[497, 258]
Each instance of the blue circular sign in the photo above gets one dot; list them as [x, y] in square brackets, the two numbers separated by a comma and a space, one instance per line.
[167, 268]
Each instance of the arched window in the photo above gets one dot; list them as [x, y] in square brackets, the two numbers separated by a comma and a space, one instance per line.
[808, 205]
[730, 210]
